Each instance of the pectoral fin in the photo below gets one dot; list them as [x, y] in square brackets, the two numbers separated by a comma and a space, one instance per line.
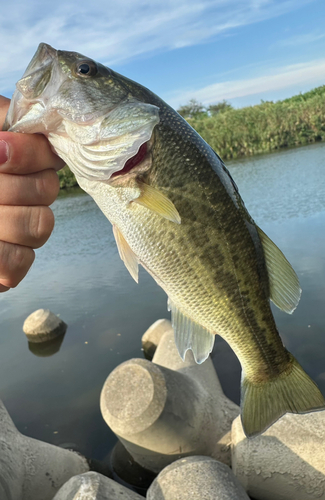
[126, 253]
[190, 335]
[284, 284]
[156, 201]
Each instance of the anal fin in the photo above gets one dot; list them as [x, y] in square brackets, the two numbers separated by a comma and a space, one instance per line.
[190, 335]
[126, 253]
[156, 201]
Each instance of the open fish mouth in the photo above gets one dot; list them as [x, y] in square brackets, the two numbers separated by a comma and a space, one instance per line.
[98, 136]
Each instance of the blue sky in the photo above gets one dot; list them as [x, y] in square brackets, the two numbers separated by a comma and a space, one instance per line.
[239, 50]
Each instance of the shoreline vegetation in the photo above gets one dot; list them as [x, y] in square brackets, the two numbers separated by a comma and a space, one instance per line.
[262, 128]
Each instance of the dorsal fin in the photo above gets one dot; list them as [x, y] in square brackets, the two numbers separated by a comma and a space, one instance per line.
[190, 335]
[284, 284]
[126, 253]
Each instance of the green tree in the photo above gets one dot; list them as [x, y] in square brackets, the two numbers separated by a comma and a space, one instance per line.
[220, 107]
[193, 109]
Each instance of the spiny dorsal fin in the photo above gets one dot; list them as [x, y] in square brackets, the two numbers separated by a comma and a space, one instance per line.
[284, 284]
[126, 253]
[156, 201]
[190, 335]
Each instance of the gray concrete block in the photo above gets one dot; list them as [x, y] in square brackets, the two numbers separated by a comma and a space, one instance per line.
[31, 469]
[94, 486]
[43, 325]
[196, 478]
[286, 462]
[168, 409]
[152, 336]
[128, 470]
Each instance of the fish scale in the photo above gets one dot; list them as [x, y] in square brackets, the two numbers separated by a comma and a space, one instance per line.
[176, 211]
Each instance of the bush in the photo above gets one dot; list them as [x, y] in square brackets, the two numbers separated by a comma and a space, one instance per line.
[66, 177]
[265, 127]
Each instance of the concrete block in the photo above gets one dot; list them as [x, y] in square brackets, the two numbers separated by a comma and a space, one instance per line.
[94, 486]
[168, 409]
[31, 469]
[43, 325]
[286, 462]
[196, 478]
[127, 470]
[152, 336]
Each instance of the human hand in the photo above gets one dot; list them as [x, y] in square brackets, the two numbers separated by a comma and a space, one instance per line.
[28, 185]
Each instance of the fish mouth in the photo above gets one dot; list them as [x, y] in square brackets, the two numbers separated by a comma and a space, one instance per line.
[38, 72]
[44, 55]
[26, 107]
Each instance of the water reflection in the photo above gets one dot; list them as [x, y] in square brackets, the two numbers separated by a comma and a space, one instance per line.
[79, 274]
[46, 349]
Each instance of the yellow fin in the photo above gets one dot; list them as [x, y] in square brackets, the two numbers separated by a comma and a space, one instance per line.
[190, 335]
[126, 253]
[292, 391]
[284, 284]
[154, 200]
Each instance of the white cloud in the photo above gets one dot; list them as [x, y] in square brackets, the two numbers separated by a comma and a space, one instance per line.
[302, 39]
[279, 78]
[114, 32]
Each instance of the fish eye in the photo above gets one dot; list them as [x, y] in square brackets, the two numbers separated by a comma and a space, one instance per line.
[87, 68]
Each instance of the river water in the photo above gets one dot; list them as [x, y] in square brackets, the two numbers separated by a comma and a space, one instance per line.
[79, 275]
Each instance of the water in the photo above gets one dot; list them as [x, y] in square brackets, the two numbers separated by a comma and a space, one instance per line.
[78, 274]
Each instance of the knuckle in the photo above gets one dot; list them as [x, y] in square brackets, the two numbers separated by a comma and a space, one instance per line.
[48, 186]
[41, 225]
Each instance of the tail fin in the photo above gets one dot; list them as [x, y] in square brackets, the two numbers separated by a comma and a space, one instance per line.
[263, 404]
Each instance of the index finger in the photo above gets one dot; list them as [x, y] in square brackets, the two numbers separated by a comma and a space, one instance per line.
[26, 153]
[4, 105]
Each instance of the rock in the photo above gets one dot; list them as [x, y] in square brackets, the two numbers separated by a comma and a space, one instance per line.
[167, 409]
[151, 338]
[94, 486]
[31, 469]
[196, 478]
[43, 325]
[286, 462]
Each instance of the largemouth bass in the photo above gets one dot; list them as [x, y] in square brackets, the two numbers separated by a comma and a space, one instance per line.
[176, 211]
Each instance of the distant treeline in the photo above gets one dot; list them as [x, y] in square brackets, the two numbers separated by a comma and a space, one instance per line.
[264, 127]
[255, 129]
